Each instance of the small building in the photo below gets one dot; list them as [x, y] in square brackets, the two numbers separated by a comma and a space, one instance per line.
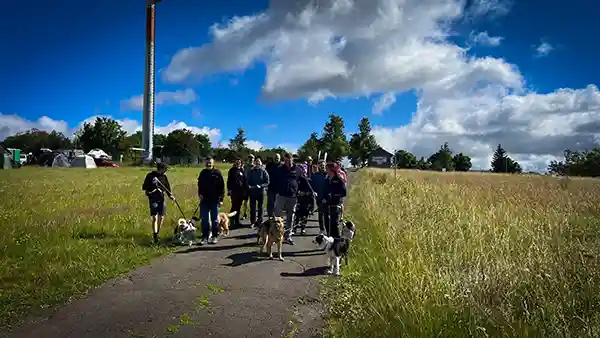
[380, 158]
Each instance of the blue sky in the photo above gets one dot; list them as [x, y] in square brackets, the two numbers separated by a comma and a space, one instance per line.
[70, 60]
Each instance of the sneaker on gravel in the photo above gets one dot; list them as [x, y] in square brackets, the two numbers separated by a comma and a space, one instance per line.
[203, 242]
[288, 241]
[303, 232]
[213, 240]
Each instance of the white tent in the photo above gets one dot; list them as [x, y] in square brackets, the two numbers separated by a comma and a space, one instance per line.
[84, 161]
[98, 153]
[61, 161]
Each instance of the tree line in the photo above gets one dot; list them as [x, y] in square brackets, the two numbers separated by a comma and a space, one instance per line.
[108, 135]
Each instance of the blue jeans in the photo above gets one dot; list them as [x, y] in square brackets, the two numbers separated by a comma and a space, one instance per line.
[209, 214]
[256, 207]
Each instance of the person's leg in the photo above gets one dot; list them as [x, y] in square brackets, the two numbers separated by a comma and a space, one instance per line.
[204, 217]
[161, 215]
[253, 201]
[326, 219]
[214, 221]
[334, 219]
[279, 207]
[260, 199]
[321, 217]
[290, 207]
[244, 207]
[271, 203]
[155, 211]
[236, 205]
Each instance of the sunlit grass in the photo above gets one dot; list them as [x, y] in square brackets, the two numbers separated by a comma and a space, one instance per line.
[65, 231]
[466, 254]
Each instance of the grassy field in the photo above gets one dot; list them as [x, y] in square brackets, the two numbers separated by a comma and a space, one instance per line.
[467, 254]
[65, 231]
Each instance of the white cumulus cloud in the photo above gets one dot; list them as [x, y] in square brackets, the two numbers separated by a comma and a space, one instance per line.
[13, 124]
[543, 49]
[183, 97]
[350, 48]
[484, 39]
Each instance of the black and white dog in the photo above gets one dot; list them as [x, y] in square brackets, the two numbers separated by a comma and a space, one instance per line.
[336, 248]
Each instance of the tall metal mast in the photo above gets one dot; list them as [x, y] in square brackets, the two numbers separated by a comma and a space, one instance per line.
[149, 91]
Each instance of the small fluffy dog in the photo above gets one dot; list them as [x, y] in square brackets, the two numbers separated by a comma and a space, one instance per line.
[224, 222]
[270, 232]
[186, 231]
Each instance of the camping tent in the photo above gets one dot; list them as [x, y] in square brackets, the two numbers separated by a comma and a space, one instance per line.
[61, 161]
[84, 161]
[98, 153]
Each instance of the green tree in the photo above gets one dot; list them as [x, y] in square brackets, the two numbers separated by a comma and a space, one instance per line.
[333, 139]
[238, 142]
[310, 148]
[158, 139]
[362, 143]
[204, 145]
[104, 133]
[423, 164]
[405, 159]
[461, 162]
[501, 163]
[577, 163]
[442, 159]
[33, 140]
[181, 143]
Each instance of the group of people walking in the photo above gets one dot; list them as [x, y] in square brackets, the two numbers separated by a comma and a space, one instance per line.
[291, 190]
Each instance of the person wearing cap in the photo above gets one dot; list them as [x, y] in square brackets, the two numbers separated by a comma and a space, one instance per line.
[156, 185]
[247, 168]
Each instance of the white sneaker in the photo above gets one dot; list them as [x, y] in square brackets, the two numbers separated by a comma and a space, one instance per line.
[212, 240]
[203, 242]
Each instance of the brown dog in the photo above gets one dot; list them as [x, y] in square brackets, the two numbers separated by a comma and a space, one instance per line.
[224, 222]
[271, 231]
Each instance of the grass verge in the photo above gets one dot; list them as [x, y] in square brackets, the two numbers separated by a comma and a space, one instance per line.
[66, 231]
[467, 254]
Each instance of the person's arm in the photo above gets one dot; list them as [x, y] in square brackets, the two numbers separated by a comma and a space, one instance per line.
[310, 187]
[220, 186]
[200, 184]
[326, 189]
[168, 186]
[229, 180]
[266, 179]
[147, 185]
[343, 189]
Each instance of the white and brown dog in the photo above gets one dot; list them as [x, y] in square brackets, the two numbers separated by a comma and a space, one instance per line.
[186, 231]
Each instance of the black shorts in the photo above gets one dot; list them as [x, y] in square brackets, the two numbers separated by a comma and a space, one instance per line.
[157, 207]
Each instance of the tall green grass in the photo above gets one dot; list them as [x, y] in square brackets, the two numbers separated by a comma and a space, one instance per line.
[460, 254]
